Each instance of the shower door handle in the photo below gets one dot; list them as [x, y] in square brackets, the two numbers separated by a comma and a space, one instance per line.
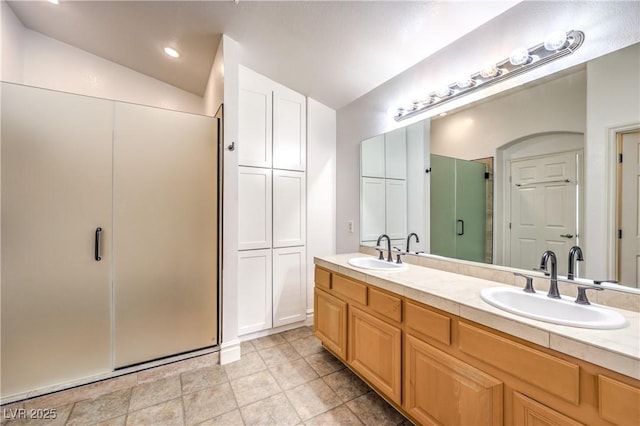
[461, 223]
[97, 254]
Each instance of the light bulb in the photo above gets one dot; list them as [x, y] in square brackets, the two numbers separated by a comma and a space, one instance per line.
[520, 56]
[556, 40]
[171, 52]
[489, 70]
[465, 81]
[443, 92]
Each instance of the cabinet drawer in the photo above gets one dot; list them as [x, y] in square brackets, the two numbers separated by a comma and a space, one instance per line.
[619, 403]
[522, 362]
[427, 324]
[385, 304]
[323, 278]
[349, 289]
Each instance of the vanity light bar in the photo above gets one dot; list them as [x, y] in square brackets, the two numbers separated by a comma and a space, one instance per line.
[557, 45]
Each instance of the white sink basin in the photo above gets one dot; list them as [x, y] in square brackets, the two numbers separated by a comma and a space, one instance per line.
[376, 264]
[557, 311]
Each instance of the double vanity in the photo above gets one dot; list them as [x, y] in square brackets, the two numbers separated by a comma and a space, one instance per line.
[439, 347]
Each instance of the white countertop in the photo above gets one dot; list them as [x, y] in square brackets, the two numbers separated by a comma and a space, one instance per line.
[617, 350]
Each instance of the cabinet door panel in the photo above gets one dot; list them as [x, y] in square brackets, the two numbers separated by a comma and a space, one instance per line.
[255, 119]
[527, 412]
[372, 208]
[289, 209]
[56, 190]
[289, 129]
[382, 366]
[289, 286]
[165, 242]
[254, 290]
[439, 389]
[330, 322]
[372, 157]
[396, 209]
[254, 208]
[395, 150]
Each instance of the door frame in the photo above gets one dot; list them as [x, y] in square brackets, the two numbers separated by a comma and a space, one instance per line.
[613, 200]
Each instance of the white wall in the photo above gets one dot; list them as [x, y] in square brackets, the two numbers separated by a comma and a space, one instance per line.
[613, 90]
[321, 187]
[230, 345]
[11, 45]
[477, 132]
[214, 92]
[608, 26]
[31, 58]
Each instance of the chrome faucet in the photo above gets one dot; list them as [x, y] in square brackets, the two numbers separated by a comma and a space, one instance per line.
[553, 288]
[413, 234]
[573, 251]
[390, 257]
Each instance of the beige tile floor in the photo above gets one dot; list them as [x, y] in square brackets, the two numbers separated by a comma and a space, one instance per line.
[283, 379]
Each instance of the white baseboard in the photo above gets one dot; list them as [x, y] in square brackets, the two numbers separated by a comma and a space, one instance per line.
[230, 352]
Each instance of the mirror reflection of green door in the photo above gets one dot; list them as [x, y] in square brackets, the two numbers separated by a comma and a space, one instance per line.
[458, 208]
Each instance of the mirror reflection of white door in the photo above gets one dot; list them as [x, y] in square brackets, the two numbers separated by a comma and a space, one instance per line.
[629, 217]
[544, 208]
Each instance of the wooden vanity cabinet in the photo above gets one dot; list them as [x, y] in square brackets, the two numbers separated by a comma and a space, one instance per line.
[440, 369]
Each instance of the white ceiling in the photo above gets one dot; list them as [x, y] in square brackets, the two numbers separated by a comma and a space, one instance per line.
[332, 51]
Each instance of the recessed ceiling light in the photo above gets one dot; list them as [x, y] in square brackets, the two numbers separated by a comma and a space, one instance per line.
[171, 52]
[54, 1]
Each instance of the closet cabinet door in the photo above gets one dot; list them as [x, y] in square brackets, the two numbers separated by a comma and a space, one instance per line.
[255, 134]
[395, 149]
[254, 208]
[56, 191]
[372, 157]
[254, 289]
[289, 209]
[165, 244]
[372, 208]
[289, 285]
[396, 208]
[289, 129]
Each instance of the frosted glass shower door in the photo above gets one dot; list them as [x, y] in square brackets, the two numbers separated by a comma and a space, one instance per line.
[443, 206]
[458, 208]
[470, 210]
[165, 242]
[56, 193]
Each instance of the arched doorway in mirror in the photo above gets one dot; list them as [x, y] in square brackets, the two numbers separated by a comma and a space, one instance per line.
[543, 198]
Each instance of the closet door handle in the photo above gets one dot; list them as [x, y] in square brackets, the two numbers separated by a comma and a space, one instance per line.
[461, 223]
[98, 256]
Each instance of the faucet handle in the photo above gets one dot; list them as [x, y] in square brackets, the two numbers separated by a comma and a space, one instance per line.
[528, 287]
[582, 294]
[400, 253]
[381, 257]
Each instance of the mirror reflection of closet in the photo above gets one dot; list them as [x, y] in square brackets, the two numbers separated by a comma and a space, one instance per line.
[391, 167]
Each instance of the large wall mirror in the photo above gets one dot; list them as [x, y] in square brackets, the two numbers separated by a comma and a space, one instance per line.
[503, 179]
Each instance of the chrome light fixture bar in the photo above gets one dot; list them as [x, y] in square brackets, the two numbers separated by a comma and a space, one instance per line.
[521, 60]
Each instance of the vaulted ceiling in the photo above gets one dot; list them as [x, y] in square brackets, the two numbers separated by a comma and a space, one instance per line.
[333, 51]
